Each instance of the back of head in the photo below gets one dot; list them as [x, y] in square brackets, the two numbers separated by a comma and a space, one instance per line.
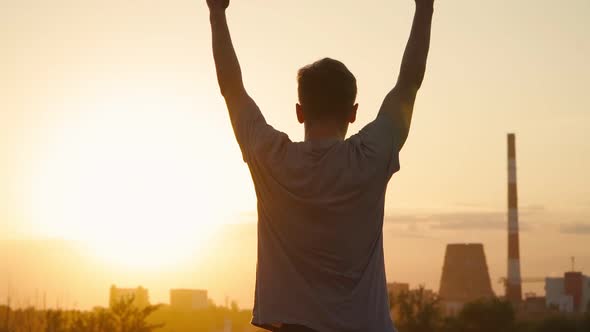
[327, 90]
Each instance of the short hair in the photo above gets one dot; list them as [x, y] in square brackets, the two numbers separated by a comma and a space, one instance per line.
[326, 89]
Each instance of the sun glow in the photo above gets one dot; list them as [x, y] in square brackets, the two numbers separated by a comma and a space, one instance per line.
[131, 180]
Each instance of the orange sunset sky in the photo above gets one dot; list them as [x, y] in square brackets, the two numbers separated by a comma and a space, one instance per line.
[118, 163]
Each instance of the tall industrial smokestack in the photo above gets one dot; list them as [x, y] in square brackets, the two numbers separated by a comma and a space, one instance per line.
[513, 282]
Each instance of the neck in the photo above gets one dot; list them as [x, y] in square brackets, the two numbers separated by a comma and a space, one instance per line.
[324, 131]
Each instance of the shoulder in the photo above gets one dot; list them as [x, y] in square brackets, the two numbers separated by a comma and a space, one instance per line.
[378, 136]
[271, 144]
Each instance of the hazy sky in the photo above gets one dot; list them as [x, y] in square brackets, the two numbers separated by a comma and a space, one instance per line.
[113, 132]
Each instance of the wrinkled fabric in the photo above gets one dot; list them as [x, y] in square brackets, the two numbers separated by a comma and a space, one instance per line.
[320, 225]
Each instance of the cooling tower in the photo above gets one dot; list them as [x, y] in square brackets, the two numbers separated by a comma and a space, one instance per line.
[465, 275]
[513, 281]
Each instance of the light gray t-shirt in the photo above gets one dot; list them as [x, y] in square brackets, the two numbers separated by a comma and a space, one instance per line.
[320, 225]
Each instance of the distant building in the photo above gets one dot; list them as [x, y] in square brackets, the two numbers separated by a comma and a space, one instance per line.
[188, 299]
[139, 295]
[568, 294]
[555, 296]
[465, 277]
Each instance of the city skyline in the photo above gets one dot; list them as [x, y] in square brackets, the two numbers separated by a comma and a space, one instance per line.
[216, 271]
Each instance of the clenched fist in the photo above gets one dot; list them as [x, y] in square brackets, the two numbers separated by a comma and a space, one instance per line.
[217, 4]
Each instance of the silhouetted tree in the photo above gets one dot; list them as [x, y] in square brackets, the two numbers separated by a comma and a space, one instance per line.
[55, 321]
[586, 323]
[82, 323]
[130, 318]
[561, 324]
[27, 320]
[103, 320]
[5, 313]
[418, 311]
[483, 316]
[99, 320]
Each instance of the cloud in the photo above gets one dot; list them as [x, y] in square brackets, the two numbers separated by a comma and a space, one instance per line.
[469, 205]
[523, 209]
[477, 220]
[470, 221]
[531, 209]
[407, 226]
[405, 219]
[575, 228]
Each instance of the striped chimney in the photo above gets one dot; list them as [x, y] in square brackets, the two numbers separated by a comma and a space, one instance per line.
[513, 282]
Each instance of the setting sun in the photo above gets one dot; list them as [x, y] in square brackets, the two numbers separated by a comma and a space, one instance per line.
[123, 178]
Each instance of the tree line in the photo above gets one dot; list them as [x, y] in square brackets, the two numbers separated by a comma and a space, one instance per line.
[122, 316]
[126, 316]
[420, 311]
[413, 311]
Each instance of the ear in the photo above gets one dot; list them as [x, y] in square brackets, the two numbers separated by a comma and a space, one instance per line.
[352, 116]
[299, 110]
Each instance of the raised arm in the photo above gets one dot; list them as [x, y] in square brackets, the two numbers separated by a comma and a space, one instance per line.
[229, 74]
[249, 125]
[399, 103]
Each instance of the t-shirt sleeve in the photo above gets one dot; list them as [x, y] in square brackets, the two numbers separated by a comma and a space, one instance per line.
[255, 137]
[377, 143]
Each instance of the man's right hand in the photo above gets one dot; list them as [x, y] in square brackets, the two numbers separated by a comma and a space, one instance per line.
[217, 5]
